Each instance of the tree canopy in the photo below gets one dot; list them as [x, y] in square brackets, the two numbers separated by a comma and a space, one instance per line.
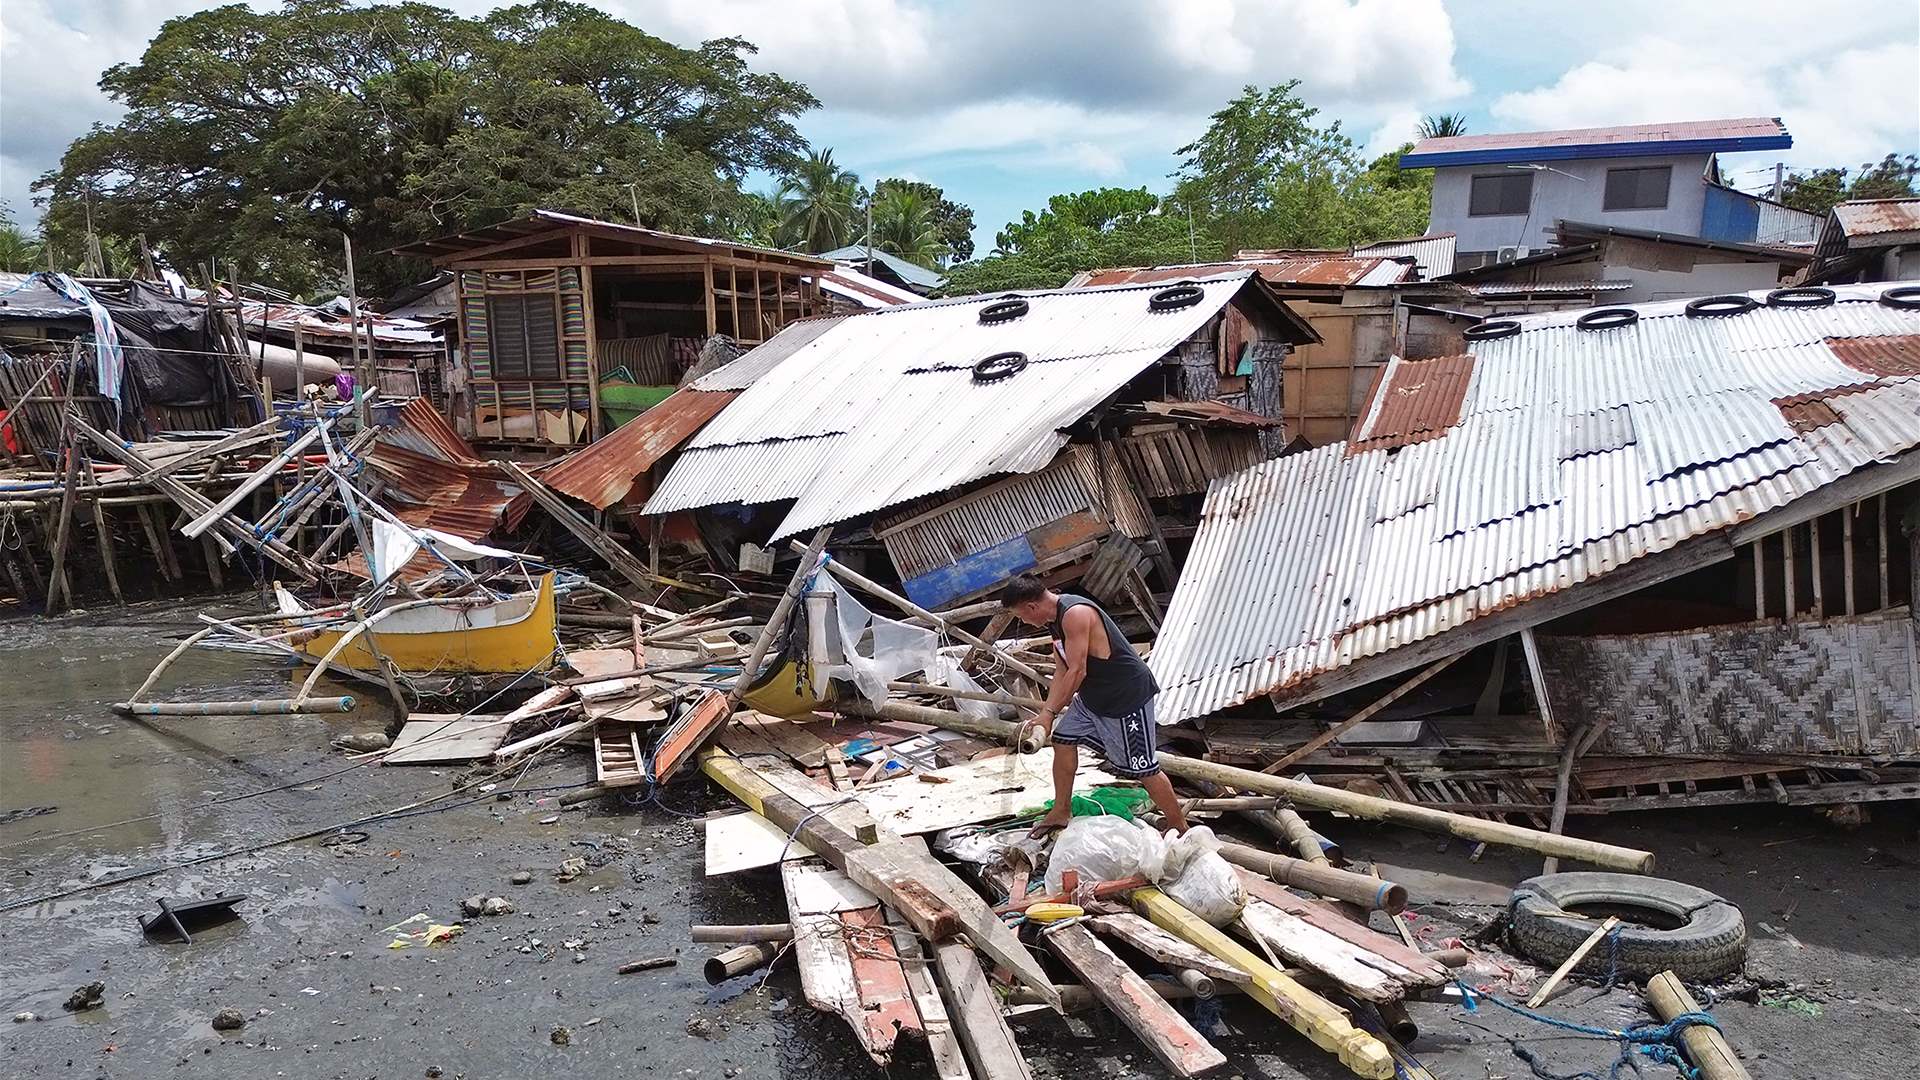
[259, 137]
[1264, 174]
[1819, 190]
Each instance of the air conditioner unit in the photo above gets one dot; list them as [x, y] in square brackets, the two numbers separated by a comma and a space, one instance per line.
[1517, 251]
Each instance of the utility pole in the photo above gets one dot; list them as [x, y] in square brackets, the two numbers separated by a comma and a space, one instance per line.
[633, 192]
[1779, 180]
[869, 236]
[353, 322]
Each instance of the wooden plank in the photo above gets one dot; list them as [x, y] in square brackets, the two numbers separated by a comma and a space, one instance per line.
[1363, 974]
[943, 1042]
[1423, 970]
[900, 871]
[437, 738]
[1302, 1009]
[1365, 714]
[975, 1008]
[697, 725]
[1573, 959]
[879, 978]
[1167, 1034]
[1164, 947]
[827, 978]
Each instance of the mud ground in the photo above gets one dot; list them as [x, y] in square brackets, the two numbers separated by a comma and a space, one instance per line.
[1835, 915]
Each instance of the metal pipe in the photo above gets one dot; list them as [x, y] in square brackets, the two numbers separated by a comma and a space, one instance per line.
[252, 707]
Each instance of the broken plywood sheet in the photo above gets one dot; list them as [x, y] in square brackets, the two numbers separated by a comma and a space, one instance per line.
[972, 792]
[440, 738]
[634, 710]
[846, 956]
[745, 842]
[975, 791]
[601, 662]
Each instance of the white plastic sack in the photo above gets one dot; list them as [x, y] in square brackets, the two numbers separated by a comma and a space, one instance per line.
[1105, 848]
[1187, 868]
[1199, 878]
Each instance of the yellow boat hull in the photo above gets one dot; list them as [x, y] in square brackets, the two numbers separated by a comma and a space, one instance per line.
[505, 637]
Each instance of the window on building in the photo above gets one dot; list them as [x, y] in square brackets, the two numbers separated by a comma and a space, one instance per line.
[1501, 193]
[524, 335]
[1638, 189]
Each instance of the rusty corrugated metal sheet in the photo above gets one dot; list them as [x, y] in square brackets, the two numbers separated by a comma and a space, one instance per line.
[420, 428]
[1293, 269]
[465, 499]
[1321, 561]
[1414, 400]
[602, 473]
[1895, 355]
[1871, 218]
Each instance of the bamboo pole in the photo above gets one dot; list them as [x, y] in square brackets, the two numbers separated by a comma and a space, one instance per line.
[1372, 808]
[1705, 1046]
[730, 935]
[1368, 892]
[1005, 731]
[777, 623]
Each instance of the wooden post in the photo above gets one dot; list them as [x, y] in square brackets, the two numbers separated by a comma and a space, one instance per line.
[759, 308]
[104, 535]
[58, 583]
[975, 1009]
[1792, 605]
[733, 296]
[1167, 1034]
[808, 557]
[594, 430]
[1814, 569]
[713, 316]
[1302, 1009]
[1705, 1046]
[361, 383]
[1885, 600]
[1846, 554]
[1759, 579]
[1367, 713]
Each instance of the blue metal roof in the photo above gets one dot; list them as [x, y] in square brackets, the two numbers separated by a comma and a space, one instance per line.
[912, 273]
[1636, 140]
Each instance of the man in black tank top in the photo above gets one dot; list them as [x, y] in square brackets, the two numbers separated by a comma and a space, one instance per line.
[1102, 696]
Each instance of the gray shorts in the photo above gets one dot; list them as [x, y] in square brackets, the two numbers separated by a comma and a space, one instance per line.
[1128, 743]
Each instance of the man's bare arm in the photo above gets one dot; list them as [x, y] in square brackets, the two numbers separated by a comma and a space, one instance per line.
[1077, 625]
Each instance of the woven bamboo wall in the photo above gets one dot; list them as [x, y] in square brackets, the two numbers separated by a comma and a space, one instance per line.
[1835, 686]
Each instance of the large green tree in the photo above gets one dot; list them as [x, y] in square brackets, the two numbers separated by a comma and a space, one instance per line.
[1818, 190]
[952, 221]
[258, 138]
[903, 224]
[817, 202]
[1084, 231]
[20, 251]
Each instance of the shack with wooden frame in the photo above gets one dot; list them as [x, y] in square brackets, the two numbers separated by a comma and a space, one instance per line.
[562, 314]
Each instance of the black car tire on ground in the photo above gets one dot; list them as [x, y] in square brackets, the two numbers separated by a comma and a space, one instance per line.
[1709, 939]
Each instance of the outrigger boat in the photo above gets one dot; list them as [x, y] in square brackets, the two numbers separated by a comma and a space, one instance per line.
[455, 634]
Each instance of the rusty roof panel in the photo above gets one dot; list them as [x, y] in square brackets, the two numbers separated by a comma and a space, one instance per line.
[420, 428]
[1283, 270]
[466, 498]
[603, 472]
[1887, 356]
[1877, 216]
[1421, 399]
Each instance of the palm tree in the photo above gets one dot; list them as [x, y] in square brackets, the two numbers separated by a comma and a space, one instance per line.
[20, 251]
[1444, 126]
[817, 201]
[903, 225]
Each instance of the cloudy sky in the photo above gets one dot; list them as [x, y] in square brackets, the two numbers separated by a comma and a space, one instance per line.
[1004, 103]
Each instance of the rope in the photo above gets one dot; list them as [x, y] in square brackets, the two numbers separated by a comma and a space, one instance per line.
[1659, 1043]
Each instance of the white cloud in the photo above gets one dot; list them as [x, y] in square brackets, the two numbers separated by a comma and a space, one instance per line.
[1842, 105]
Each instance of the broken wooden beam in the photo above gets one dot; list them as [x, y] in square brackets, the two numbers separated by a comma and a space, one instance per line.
[901, 872]
[1302, 1009]
[975, 1010]
[586, 531]
[1172, 1040]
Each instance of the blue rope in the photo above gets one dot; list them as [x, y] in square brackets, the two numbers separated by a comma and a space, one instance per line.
[1655, 1042]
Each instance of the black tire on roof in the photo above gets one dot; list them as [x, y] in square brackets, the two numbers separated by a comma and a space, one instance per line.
[1709, 939]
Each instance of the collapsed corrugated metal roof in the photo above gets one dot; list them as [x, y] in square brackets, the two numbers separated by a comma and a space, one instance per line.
[438, 479]
[1432, 254]
[602, 472]
[1573, 453]
[878, 408]
[1280, 269]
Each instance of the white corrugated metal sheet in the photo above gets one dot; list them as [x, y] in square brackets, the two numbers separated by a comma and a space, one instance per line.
[1576, 453]
[1432, 254]
[882, 407]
